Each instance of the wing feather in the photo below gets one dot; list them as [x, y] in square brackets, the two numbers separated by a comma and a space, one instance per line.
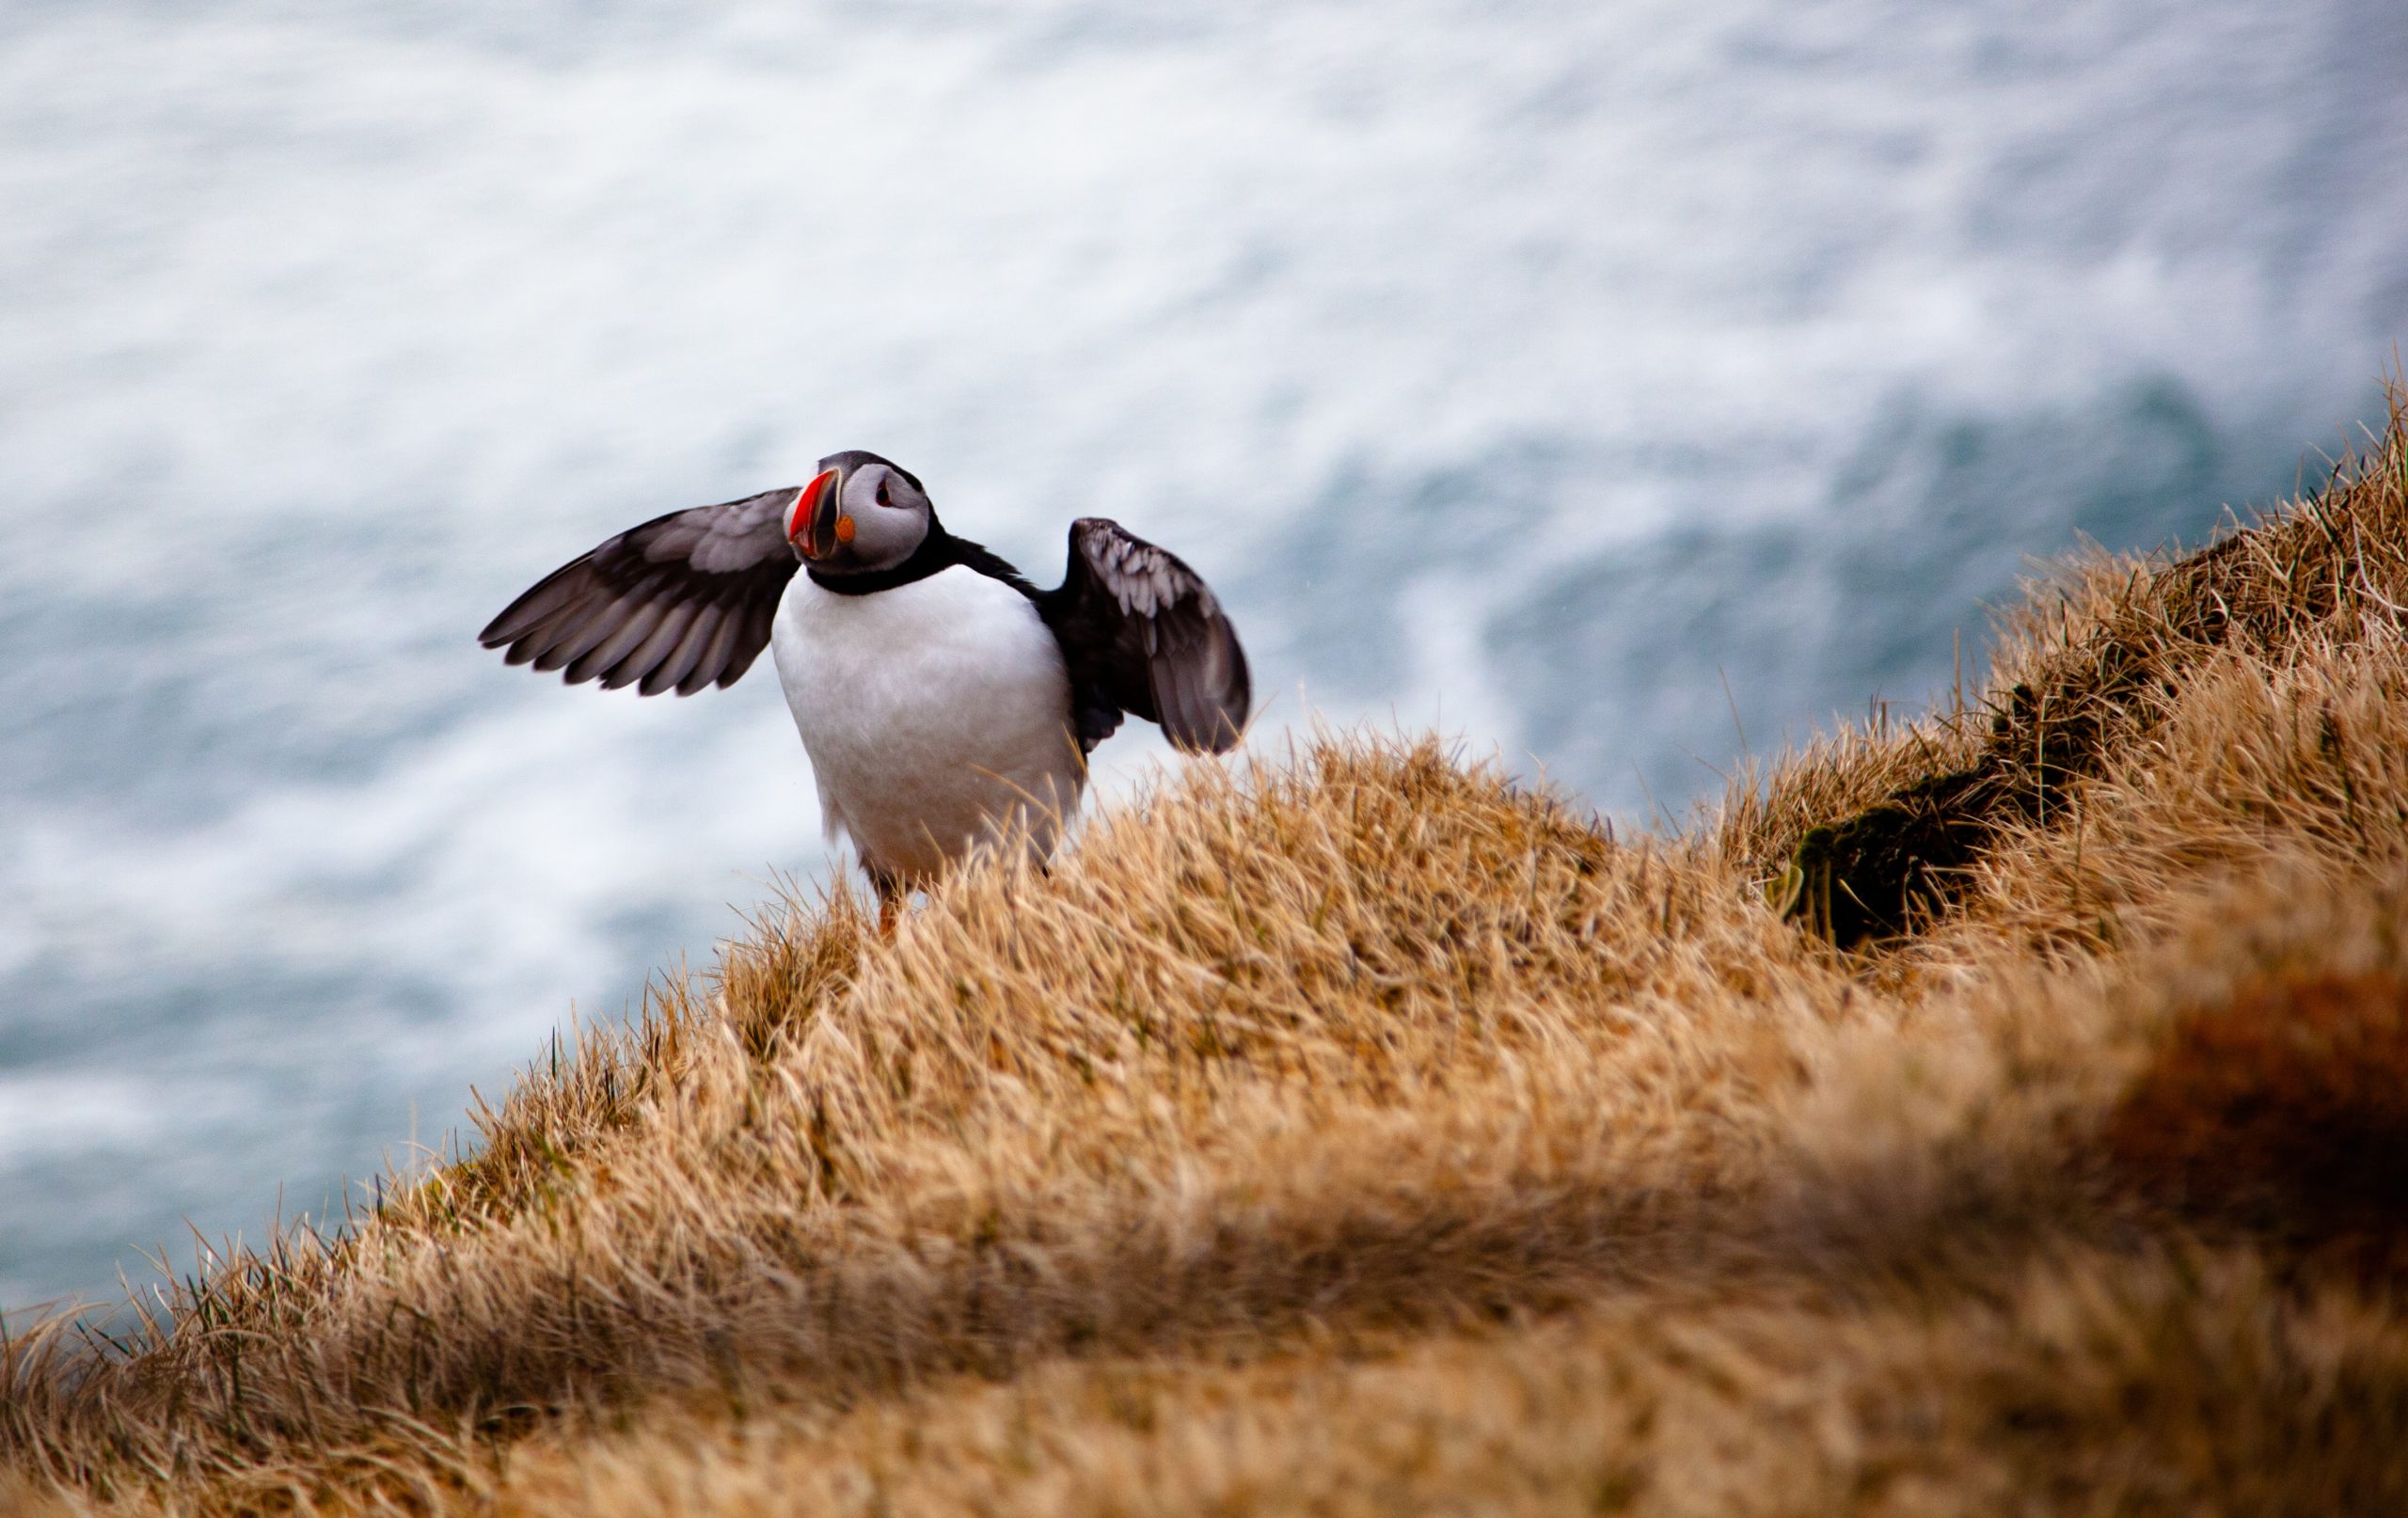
[631, 624]
[758, 621]
[682, 601]
[679, 662]
[540, 605]
[715, 655]
[658, 639]
[568, 640]
[661, 647]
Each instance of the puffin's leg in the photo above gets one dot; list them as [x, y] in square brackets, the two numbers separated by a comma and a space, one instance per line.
[891, 892]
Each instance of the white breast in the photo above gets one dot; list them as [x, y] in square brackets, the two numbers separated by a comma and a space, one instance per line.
[933, 713]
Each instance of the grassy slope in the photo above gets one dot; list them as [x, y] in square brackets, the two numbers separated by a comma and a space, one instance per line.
[1355, 1133]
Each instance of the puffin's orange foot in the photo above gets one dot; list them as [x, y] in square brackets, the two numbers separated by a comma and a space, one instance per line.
[891, 892]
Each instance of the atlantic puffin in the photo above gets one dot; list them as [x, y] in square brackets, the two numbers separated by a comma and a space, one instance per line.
[942, 699]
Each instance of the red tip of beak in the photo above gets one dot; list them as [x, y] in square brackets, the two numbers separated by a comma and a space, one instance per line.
[805, 518]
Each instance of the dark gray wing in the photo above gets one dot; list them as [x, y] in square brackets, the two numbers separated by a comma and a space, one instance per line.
[682, 602]
[1143, 633]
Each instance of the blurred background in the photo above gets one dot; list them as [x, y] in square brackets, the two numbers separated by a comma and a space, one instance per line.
[1525, 369]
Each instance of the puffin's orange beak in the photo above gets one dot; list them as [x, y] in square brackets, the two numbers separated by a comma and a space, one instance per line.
[815, 527]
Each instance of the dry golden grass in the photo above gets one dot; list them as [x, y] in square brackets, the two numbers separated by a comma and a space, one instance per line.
[1353, 1132]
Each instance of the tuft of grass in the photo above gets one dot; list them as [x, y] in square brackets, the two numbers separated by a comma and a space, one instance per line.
[1354, 1129]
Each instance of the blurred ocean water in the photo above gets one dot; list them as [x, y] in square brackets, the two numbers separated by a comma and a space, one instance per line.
[1529, 369]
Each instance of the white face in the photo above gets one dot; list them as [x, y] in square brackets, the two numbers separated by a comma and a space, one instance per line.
[890, 516]
[870, 517]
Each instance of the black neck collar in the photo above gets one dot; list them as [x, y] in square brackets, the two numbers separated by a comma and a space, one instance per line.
[939, 551]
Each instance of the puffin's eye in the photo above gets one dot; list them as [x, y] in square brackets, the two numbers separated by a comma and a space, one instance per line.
[882, 494]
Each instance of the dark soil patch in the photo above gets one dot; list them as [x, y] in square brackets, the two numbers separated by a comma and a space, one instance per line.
[1893, 868]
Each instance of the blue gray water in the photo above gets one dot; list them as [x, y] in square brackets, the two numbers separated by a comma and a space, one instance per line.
[1526, 367]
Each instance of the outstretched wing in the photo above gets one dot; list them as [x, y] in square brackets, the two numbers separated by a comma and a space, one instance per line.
[1143, 633]
[684, 601]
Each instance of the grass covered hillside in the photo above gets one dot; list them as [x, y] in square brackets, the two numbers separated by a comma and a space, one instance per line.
[2002, 1112]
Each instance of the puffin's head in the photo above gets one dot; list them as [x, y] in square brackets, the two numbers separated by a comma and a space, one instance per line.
[858, 513]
